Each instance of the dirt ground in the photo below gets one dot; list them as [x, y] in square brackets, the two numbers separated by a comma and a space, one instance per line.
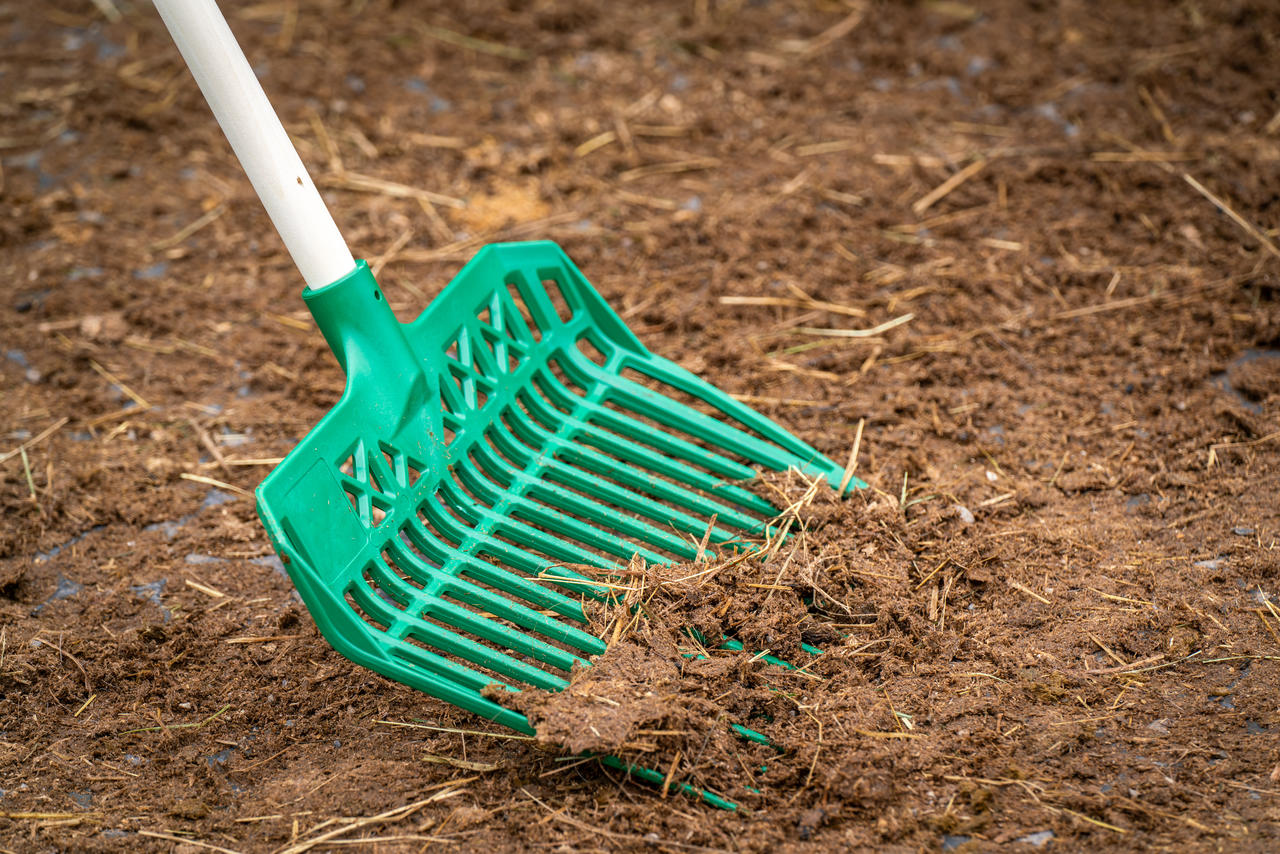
[1051, 624]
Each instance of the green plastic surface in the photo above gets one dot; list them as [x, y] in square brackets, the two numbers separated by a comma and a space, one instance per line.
[516, 426]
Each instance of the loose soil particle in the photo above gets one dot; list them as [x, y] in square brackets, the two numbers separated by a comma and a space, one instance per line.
[1052, 623]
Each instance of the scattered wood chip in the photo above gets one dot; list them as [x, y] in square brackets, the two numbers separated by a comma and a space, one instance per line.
[1022, 588]
[464, 764]
[266, 639]
[370, 184]
[948, 186]
[858, 333]
[220, 484]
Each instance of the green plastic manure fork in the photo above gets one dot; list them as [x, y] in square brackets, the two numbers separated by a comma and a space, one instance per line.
[517, 425]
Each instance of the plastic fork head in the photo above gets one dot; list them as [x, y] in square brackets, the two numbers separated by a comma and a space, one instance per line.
[516, 427]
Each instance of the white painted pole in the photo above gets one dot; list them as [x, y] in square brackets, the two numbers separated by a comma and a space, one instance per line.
[258, 139]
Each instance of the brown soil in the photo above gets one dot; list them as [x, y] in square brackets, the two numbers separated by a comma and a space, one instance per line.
[1052, 624]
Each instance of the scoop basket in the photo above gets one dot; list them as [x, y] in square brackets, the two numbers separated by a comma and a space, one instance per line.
[515, 427]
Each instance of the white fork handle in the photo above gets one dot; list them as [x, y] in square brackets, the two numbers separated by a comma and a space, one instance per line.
[258, 139]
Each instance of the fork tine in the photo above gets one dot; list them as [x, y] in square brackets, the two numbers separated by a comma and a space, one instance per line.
[444, 584]
[555, 521]
[736, 427]
[595, 412]
[425, 540]
[605, 519]
[663, 462]
[576, 457]
[500, 522]
[418, 606]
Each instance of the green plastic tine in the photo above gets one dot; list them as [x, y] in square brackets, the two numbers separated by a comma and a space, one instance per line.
[469, 538]
[549, 493]
[555, 471]
[539, 594]
[657, 778]
[585, 458]
[555, 573]
[374, 605]
[656, 459]
[449, 642]
[438, 665]
[491, 630]
[465, 683]
[639, 399]
[678, 416]
[509, 526]
[516, 612]
[551, 519]
[440, 640]
[645, 434]
[683, 381]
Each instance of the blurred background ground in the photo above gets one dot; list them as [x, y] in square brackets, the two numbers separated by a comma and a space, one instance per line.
[1068, 208]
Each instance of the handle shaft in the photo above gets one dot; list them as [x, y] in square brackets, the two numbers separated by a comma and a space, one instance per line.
[258, 139]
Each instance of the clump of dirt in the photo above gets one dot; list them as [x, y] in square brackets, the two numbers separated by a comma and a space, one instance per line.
[1258, 378]
[712, 660]
[633, 690]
